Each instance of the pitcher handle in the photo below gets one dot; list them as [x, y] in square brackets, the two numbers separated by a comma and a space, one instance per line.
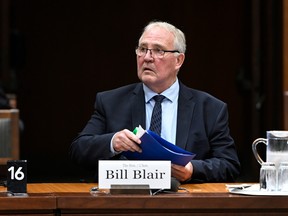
[254, 149]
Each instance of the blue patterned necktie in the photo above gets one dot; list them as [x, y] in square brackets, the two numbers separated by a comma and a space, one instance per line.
[156, 118]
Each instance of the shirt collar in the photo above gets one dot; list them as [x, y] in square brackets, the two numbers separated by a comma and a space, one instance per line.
[171, 93]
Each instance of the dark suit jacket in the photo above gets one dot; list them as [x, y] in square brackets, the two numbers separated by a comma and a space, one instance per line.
[202, 128]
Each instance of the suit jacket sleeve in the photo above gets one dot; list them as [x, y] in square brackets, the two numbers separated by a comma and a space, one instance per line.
[209, 137]
[112, 112]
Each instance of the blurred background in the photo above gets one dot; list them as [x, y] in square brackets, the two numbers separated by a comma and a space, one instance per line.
[56, 55]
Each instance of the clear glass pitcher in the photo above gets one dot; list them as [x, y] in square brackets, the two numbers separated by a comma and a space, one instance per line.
[277, 147]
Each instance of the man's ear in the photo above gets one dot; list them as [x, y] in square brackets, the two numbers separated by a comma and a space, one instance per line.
[180, 59]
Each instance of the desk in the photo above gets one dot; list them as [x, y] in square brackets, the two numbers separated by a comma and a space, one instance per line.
[202, 199]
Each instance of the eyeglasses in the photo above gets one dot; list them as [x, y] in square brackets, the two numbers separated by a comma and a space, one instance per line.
[156, 53]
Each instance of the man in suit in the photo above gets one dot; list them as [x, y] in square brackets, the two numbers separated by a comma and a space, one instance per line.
[192, 119]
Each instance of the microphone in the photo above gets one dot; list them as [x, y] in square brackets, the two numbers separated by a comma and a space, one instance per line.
[174, 184]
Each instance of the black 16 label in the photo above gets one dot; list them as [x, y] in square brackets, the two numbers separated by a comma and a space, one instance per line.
[17, 176]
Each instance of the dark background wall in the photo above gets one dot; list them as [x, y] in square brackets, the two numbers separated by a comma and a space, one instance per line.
[63, 52]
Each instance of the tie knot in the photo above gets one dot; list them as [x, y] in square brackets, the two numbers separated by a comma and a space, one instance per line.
[158, 98]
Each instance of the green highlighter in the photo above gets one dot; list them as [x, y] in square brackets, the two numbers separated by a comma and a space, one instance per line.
[135, 130]
[139, 131]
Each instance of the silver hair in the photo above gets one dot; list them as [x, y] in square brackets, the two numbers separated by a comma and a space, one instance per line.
[179, 37]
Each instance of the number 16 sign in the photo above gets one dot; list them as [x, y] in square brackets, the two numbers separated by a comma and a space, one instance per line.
[17, 176]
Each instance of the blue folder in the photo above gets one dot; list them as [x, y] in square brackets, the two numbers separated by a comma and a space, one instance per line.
[156, 148]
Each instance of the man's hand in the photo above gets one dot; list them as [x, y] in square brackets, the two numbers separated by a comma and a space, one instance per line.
[182, 173]
[126, 140]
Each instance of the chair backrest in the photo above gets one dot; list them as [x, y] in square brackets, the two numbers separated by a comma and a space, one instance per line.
[9, 135]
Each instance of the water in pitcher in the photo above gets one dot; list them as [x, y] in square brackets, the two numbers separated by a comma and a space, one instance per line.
[277, 157]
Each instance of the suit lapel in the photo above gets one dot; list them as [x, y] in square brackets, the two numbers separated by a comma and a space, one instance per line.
[185, 112]
[184, 119]
[138, 107]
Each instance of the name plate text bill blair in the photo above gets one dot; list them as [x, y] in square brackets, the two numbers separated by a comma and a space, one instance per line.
[156, 174]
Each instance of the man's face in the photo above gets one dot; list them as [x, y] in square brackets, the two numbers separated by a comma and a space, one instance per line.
[158, 73]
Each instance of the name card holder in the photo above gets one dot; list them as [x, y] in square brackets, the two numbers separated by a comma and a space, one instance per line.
[130, 189]
[134, 176]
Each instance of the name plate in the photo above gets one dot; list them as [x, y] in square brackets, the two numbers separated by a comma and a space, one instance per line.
[156, 174]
